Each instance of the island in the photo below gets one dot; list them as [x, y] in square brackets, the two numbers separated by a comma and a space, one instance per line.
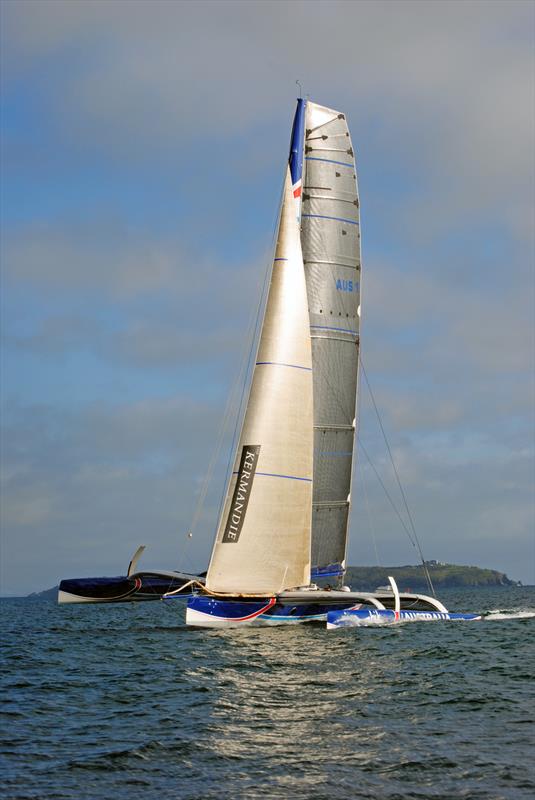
[408, 578]
[412, 577]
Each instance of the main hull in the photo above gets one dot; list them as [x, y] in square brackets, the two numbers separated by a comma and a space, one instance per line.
[297, 606]
[208, 612]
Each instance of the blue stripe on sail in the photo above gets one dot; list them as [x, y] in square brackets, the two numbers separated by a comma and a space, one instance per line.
[328, 328]
[280, 259]
[289, 477]
[282, 364]
[275, 475]
[336, 219]
[329, 161]
[329, 571]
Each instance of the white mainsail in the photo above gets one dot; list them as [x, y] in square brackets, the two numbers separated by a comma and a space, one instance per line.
[264, 534]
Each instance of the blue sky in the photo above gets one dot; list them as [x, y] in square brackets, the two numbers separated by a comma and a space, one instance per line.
[143, 148]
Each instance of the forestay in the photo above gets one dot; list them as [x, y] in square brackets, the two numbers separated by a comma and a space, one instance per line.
[263, 540]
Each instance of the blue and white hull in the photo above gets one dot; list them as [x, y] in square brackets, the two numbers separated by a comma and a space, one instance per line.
[352, 618]
[336, 608]
[204, 611]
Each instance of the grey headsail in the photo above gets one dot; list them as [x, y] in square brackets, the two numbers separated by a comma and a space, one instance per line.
[330, 241]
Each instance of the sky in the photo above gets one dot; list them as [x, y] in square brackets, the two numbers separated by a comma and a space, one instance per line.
[142, 155]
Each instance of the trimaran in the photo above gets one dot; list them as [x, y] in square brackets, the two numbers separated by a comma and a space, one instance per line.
[284, 525]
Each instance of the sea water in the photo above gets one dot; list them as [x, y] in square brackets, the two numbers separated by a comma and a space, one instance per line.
[125, 702]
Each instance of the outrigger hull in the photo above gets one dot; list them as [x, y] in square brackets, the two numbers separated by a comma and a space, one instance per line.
[137, 587]
[351, 618]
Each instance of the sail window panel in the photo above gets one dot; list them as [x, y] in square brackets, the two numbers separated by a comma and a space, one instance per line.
[333, 454]
[331, 209]
[333, 439]
[334, 483]
[335, 291]
[338, 177]
[335, 380]
[344, 182]
[320, 245]
[341, 241]
[335, 129]
[331, 149]
[321, 163]
[323, 121]
[330, 142]
[329, 530]
[330, 443]
[336, 173]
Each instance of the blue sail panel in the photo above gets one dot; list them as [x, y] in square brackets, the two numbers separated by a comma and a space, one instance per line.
[328, 571]
[296, 148]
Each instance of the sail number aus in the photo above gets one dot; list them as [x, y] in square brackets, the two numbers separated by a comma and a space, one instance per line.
[347, 286]
[242, 492]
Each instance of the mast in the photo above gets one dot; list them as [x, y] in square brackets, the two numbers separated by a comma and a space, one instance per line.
[330, 240]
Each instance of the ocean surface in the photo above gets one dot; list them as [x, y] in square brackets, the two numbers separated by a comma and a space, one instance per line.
[125, 702]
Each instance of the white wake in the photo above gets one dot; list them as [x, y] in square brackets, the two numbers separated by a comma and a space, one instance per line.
[499, 614]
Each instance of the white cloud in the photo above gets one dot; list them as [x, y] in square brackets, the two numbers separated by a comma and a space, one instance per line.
[449, 86]
[440, 101]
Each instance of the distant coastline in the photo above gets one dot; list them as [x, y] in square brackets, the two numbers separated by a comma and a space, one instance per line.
[444, 576]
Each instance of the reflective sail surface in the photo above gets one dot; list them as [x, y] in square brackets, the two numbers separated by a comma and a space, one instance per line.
[263, 540]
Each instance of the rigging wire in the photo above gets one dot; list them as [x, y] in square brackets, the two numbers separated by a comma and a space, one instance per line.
[387, 493]
[370, 518]
[241, 380]
[414, 541]
[244, 382]
[254, 339]
[231, 399]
